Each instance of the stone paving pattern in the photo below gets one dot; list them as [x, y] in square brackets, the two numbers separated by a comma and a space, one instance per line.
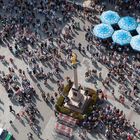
[47, 120]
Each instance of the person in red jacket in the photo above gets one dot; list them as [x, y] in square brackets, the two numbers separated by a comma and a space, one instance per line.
[129, 137]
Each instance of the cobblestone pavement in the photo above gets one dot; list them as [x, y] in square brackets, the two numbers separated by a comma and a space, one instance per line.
[47, 118]
[20, 131]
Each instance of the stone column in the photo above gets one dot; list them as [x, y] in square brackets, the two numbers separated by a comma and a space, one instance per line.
[75, 78]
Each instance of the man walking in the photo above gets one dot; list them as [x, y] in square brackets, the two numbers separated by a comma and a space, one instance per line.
[11, 109]
[30, 136]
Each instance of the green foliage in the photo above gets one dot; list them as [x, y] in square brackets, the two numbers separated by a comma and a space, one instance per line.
[92, 93]
[65, 110]
[57, 108]
[60, 101]
[67, 89]
[94, 98]
[77, 115]
[89, 110]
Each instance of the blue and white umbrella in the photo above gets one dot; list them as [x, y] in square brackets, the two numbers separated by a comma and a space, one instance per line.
[128, 23]
[138, 28]
[110, 17]
[135, 43]
[121, 37]
[103, 31]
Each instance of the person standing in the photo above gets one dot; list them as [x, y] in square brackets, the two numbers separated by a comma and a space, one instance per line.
[11, 109]
[83, 51]
[18, 116]
[79, 47]
[88, 48]
[11, 122]
[100, 75]
[112, 92]
[30, 136]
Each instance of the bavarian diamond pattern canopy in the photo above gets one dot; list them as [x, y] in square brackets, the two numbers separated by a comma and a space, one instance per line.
[121, 37]
[103, 31]
[128, 23]
[135, 43]
[138, 28]
[110, 17]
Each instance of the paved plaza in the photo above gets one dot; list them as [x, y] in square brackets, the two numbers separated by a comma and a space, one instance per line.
[47, 118]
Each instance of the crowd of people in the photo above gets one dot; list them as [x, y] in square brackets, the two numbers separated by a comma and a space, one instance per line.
[125, 72]
[35, 28]
[111, 122]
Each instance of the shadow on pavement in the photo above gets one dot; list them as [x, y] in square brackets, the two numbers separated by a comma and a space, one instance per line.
[14, 128]
[2, 109]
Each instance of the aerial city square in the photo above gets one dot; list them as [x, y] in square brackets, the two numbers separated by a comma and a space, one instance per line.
[69, 69]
